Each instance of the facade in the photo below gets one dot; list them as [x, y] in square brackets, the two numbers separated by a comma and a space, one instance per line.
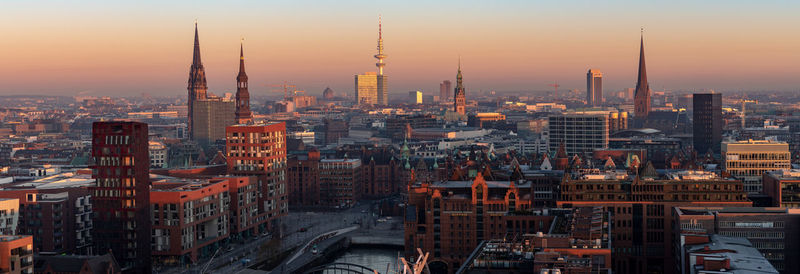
[9, 216]
[594, 88]
[450, 219]
[210, 117]
[444, 90]
[783, 186]
[190, 219]
[581, 132]
[485, 119]
[707, 122]
[366, 88]
[460, 100]
[121, 194]
[333, 130]
[340, 182]
[16, 254]
[641, 98]
[303, 179]
[260, 150]
[774, 232]
[243, 114]
[158, 154]
[642, 209]
[56, 211]
[749, 160]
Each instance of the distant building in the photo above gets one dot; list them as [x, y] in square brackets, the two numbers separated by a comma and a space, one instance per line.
[210, 117]
[158, 154]
[328, 94]
[444, 90]
[243, 114]
[707, 122]
[460, 100]
[9, 216]
[121, 194]
[594, 88]
[485, 119]
[340, 182]
[748, 160]
[415, 97]
[783, 186]
[641, 97]
[366, 88]
[16, 254]
[260, 150]
[581, 132]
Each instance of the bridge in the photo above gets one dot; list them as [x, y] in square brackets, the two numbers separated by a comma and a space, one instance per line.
[341, 268]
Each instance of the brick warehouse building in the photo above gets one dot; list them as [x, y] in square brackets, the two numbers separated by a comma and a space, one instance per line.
[121, 194]
[641, 206]
[260, 150]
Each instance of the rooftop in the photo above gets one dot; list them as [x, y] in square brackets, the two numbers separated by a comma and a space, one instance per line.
[743, 257]
[60, 180]
[785, 174]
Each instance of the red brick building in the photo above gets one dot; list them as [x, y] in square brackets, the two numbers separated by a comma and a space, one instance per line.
[16, 254]
[121, 194]
[642, 205]
[303, 179]
[260, 150]
[783, 186]
[340, 182]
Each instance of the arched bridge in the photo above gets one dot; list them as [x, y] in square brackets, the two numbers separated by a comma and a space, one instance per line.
[341, 268]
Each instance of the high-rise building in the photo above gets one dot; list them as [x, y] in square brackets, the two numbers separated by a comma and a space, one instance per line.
[197, 87]
[641, 99]
[748, 160]
[382, 80]
[367, 88]
[121, 194]
[707, 122]
[260, 150]
[444, 90]
[580, 131]
[415, 97]
[594, 88]
[460, 101]
[243, 114]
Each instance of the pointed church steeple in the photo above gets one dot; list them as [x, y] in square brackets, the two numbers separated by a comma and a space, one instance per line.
[197, 86]
[642, 95]
[460, 99]
[243, 114]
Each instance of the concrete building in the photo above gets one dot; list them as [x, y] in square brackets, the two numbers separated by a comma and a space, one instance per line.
[642, 208]
[581, 132]
[775, 232]
[415, 97]
[210, 116]
[485, 119]
[16, 254]
[366, 88]
[594, 88]
[340, 182]
[121, 194]
[707, 122]
[748, 160]
[783, 186]
[260, 150]
[158, 154]
[444, 90]
[9, 216]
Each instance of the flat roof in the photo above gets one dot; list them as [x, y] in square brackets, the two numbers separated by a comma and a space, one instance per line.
[740, 252]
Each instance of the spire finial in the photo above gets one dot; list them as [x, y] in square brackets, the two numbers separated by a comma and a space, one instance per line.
[241, 48]
[380, 27]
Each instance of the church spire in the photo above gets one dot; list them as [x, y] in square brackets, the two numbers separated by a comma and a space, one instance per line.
[642, 95]
[460, 100]
[197, 87]
[243, 114]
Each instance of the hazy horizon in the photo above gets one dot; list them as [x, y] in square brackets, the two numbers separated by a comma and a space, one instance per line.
[122, 49]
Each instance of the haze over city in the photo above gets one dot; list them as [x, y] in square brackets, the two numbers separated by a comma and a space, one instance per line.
[124, 48]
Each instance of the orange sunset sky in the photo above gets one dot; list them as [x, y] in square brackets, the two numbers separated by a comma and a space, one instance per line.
[120, 48]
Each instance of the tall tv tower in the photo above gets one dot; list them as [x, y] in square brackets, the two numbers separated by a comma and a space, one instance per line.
[380, 56]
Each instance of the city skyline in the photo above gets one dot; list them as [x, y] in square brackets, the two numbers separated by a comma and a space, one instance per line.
[518, 46]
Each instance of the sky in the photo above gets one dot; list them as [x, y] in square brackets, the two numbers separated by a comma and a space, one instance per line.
[125, 48]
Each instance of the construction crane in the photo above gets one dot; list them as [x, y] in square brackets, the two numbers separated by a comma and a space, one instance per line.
[555, 85]
[744, 101]
[285, 87]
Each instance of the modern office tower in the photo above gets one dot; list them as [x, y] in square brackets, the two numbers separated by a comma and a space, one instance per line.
[197, 87]
[121, 194]
[580, 131]
[16, 254]
[641, 99]
[783, 186]
[243, 114]
[415, 97]
[444, 90]
[594, 88]
[748, 160]
[382, 82]
[367, 89]
[260, 150]
[460, 100]
[642, 208]
[707, 122]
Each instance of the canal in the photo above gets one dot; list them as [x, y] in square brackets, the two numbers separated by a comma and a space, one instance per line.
[377, 258]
